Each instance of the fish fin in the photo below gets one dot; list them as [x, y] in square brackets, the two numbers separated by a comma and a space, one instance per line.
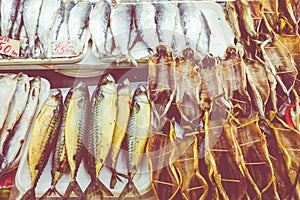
[73, 187]
[130, 187]
[115, 178]
[29, 195]
[92, 191]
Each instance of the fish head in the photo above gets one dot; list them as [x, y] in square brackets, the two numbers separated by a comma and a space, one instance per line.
[140, 94]
[208, 62]
[162, 51]
[107, 84]
[54, 98]
[80, 90]
[188, 53]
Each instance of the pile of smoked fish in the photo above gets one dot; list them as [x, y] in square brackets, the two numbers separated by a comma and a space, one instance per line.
[19, 97]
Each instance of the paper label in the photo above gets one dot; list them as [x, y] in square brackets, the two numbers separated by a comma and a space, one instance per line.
[9, 47]
[64, 49]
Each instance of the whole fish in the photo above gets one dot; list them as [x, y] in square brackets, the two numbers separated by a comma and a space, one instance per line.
[59, 157]
[15, 33]
[144, 15]
[79, 19]
[57, 21]
[137, 135]
[15, 110]
[31, 13]
[75, 131]
[166, 22]
[63, 33]
[121, 23]
[98, 25]
[44, 132]
[20, 130]
[49, 10]
[104, 114]
[123, 114]
[8, 85]
[8, 16]
[195, 27]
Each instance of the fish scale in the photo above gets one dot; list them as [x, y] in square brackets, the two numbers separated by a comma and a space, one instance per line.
[75, 133]
[40, 146]
[137, 135]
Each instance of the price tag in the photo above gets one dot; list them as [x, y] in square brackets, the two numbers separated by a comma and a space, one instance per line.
[64, 49]
[9, 47]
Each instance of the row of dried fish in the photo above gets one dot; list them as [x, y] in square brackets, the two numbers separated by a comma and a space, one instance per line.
[152, 23]
[36, 23]
[229, 100]
[231, 158]
[114, 28]
[20, 98]
[94, 128]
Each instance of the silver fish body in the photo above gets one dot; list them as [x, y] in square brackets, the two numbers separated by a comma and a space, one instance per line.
[15, 33]
[195, 27]
[20, 130]
[8, 85]
[47, 17]
[57, 21]
[98, 25]
[145, 23]
[63, 33]
[15, 110]
[78, 19]
[121, 24]
[166, 22]
[31, 13]
[8, 16]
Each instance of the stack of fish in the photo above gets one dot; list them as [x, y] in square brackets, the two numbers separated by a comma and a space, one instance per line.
[94, 128]
[116, 28]
[20, 98]
[36, 23]
[227, 104]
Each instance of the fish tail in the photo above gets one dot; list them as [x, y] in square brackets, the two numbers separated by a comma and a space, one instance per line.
[73, 187]
[50, 191]
[116, 177]
[29, 195]
[92, 191]
[130, 187]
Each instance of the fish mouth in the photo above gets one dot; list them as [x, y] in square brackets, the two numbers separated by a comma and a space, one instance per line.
[188, 53]
[140, 94]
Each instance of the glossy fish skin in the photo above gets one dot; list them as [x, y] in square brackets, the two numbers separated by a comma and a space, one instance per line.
[121, 22]
[144, 15]
[57, 21]
[20, 130]
[166, 22]
[63, 33]
[104, 111]
[31, 13]
[59, 157]
[8, 85]
[123, 114]
[137, 135]
[49, 11]
[47, 122]
[78, 19]
[195, 27]
[98, 25]
[15, 32]
[75, 132]
[8, 16]
[15, 110]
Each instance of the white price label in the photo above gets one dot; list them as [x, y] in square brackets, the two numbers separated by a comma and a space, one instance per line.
[64, 49]
[9, 47]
